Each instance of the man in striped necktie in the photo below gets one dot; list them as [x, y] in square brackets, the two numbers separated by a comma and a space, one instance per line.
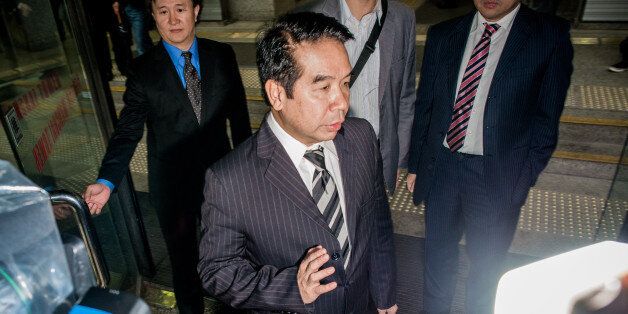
[297, 218]
[493, 86]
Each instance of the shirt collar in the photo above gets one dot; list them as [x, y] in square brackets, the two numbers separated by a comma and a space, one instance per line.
[175, 53]
[293, 147]
[504, 22]
[345, 12]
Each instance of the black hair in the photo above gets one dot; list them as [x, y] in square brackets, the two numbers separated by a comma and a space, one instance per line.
[149, 4]
[275, 45]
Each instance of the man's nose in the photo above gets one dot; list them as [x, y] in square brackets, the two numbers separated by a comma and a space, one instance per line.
[172, 19]
[341, 100]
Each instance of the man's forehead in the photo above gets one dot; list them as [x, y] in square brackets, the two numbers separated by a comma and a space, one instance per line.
[160, 3]
[305, 52]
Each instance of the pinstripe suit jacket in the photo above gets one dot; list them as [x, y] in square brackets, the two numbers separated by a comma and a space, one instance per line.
[258, 220]
[523, 107]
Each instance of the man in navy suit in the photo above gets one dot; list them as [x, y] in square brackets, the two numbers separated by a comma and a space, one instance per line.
[493, 86]
[296, 219]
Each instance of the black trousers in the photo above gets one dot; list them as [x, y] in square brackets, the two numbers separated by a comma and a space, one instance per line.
[179, 227]
[460, 202]
[623, 48]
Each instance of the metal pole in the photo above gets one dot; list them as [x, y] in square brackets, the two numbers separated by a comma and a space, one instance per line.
[87, 230]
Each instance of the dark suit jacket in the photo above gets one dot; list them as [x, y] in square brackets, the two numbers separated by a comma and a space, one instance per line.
[523, 107]
[397, 62]
[179, 148]
[259, 219]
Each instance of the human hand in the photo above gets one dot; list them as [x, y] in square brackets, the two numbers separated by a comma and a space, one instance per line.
[392, 310]
[398, 178]
[24, 8]
[309, 275]
[96, 196]
[410, 180]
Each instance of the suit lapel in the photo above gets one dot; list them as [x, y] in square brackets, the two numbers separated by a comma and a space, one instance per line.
[173, 82]
[519, 34]
[208, 72]
[386, 43]
[282, 174]
[457, 43]
[347, 169]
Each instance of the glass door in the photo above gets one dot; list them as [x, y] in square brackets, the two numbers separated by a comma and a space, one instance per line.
[55, 117]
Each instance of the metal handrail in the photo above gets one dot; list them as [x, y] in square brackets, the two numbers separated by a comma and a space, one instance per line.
[87, 230]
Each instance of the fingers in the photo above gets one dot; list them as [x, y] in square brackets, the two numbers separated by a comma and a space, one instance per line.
[392, 310]
[96, 196]
[410, 180]
[325, 288]
[321, 274]
[90, 192]
[94, 208]
[309, 274]
[315, 264]
[312, 254]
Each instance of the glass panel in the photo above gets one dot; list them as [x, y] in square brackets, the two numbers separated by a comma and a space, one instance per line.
[45, 97]
[616, 209]
[5, 148]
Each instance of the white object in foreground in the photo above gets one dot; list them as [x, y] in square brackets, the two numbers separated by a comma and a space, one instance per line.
[554, 284]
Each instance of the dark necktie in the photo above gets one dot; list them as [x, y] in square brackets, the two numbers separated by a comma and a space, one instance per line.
[327, 199]
[468, 88]
[192, 84]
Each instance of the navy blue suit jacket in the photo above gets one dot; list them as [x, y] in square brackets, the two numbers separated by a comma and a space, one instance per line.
[259, 219]
[523, 107]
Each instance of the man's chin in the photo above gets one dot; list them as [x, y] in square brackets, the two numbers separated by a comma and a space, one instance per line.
[331, 136]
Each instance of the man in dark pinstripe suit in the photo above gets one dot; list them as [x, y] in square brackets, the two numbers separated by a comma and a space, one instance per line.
[493, 86]
[296, 219]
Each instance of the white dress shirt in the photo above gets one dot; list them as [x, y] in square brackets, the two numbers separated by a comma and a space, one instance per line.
[364, 98]
[296, 150]
[473, 142]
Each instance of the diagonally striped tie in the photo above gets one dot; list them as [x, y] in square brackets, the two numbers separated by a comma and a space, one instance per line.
[327, 199]
[468, 88]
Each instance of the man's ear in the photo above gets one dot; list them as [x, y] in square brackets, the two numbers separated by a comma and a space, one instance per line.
[276, 94]
[197, 9]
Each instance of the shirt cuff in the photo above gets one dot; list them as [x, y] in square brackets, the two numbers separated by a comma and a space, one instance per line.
[107, 183]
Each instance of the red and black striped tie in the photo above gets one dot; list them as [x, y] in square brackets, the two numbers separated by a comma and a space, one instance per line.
[468, 88]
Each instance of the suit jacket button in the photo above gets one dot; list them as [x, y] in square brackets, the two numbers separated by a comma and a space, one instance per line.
[335, 256]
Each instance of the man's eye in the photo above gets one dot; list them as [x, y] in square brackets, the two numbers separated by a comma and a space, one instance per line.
[163, 12]
[325, 87]
[180, 10]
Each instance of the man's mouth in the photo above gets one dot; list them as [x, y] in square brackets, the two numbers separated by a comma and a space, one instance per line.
[335, 126]
[490, 4]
